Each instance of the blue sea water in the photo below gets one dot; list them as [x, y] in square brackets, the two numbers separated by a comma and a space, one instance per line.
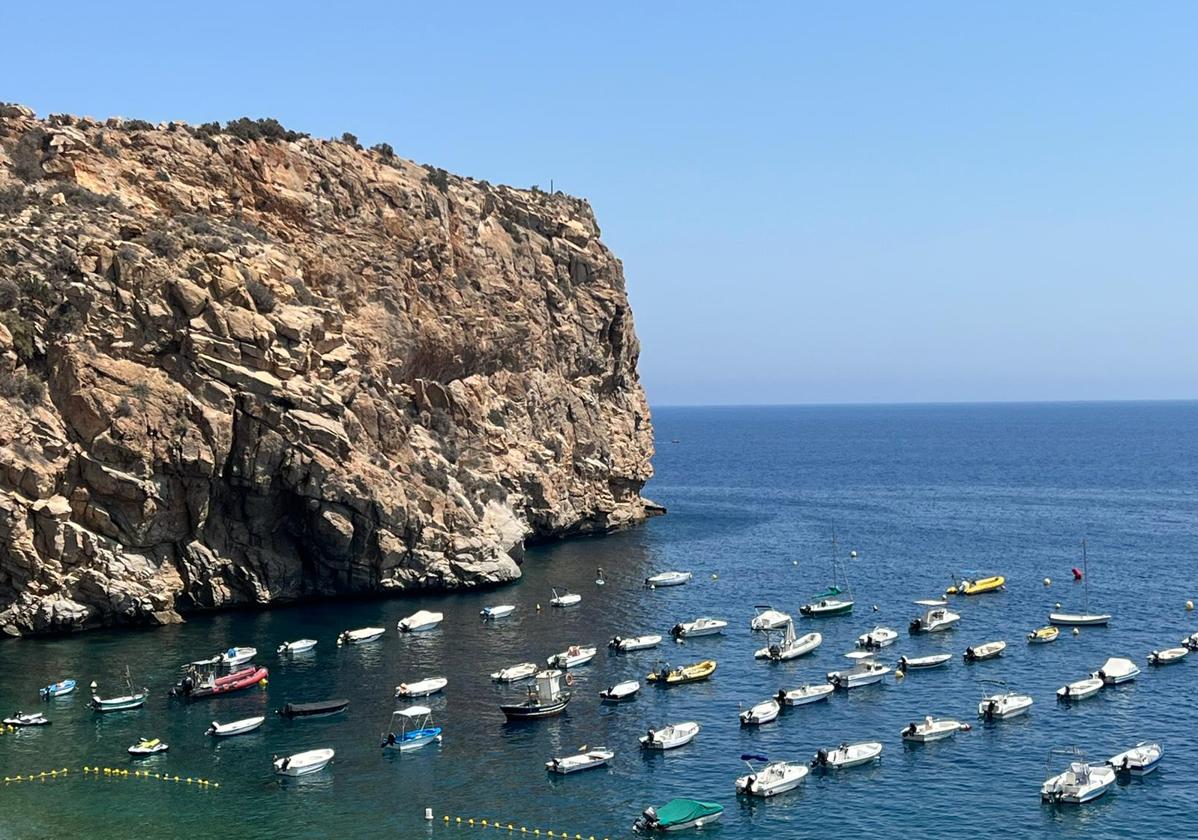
[920, 492]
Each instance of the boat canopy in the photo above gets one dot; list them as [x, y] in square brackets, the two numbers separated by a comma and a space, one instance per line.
[414, 711]
[932, 602]
[859, 654]
[753, 757]
[686, 810]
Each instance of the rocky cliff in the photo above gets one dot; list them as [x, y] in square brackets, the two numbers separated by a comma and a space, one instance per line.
[243, 366]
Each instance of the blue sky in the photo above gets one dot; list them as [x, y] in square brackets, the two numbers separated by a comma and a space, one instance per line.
[834, 202]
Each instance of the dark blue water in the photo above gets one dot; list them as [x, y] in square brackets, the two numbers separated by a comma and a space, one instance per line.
[920, 492]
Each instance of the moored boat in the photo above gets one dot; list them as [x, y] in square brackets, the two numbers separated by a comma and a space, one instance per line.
[1169, 656]
[805, 694]
[360, 636]
[321, 708]
[866, 671]
[198, 682]
[679, 814]
[1081, 782]
[421, 688]
[125, 702]
[877, 638]
[984, 651]
[1140, 760]
[235, 656]
[566, 599]
[698, 627]
[585, 760]
[915, 663]
[1085, 618]
[1117, 670]
[303, 763]
[834, 600]
[763, 712]
[665, 675]
[236, 727]
[572, 657]
[497, 611]
[932, 729]
[977, 586]
[545, 697]
[768, 618]
[515, 673]
[790, 646]
[58, 689]
[668, 579]
[24, 719]
[620, 692]
[626, 644]
[415, 729]
[771, 780]
[298, 646]
[420, 621]
[1190, 642]
[1003, 704]
[670, 737]
[936, 618]
[848, 755]
[148, 746]
[1080, 689]
[1043, 635]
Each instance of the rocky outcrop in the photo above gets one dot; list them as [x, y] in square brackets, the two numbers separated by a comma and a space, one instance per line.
[241, 371]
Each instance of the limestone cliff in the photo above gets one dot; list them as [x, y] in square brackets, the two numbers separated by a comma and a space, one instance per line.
[243, 366]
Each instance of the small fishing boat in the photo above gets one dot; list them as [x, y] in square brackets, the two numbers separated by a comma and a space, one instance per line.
[790, 647]
[932, 729]
[1043, 635]
[772, 779]
[419, 621]
[235, 656]
[360, 636]
[199, 682]
[1003, 704]
[620, 692]
[300, 764]
[1117, 670]
[57, 689]
[624, 645]
[586, 760]
[763, 712]
[298, 646]
[805, 694]
[1085, 618]
[679, 814]
[698, 627]
[877, 638]
[668, 579]
[978, 586]
[415, 729]
[572, 657]
[545, 697]
[867, 671]
[1081, 782]
[498, 611]
[148, 746]
[915, 663]
[1080, 689]
[130, 700]
[1169, 656]
[421, 688]
[848, 755]
[321, 708]
[566, 599]
[1140, 760]
[23, 719]
[665, 675]
[984, 651]
[670, 737]
[1190, 642]
[936, 618]
[515, 673]
[237, 727]
[768, 618]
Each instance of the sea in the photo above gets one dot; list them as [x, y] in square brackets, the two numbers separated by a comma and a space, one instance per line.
[921, 493]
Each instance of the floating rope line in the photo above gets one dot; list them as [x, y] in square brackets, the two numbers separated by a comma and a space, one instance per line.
[500, 825]
[110, 773]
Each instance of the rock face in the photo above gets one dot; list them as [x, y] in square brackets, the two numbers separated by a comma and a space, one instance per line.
[241, 371]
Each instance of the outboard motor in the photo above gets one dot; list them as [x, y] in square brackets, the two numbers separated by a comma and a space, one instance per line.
[614, 644]
[646, 821]
[916, 625]
[676, 630]
[821, 758]
[775, 651]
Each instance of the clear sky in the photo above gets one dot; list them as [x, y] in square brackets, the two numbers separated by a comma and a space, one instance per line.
[832, 202]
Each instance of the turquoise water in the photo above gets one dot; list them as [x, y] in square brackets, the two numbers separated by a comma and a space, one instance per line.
[920, 492]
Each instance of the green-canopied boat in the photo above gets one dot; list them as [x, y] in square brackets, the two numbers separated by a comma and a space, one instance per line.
[679, 814]
[833, 600]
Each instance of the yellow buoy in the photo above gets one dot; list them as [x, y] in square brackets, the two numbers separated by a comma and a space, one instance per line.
[898, 675]
[1189, 606]
[715, 577]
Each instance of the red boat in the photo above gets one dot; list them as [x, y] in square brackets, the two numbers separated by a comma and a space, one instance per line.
[195, 685]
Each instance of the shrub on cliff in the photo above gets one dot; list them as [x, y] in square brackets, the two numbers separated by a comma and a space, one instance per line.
[22, 386]
[351, 139]
[26, 156]
[23, 333]
[161, 243]
[384, 150]
[137, 125]
[267, 128]
[13, 200]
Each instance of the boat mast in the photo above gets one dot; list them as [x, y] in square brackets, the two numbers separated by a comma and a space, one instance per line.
[1085, 578]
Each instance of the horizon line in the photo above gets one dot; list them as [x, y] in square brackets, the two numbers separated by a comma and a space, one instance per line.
[893, 403]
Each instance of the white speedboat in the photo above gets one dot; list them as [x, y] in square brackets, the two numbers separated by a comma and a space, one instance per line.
[763, 712]
[1003, 704]
[1190, 642]
[298, 646]
[572, 657]
[805, 694]
[668, 579]
[1080, 689]
[932, 729]
[1140, 760]
[1117, 670]
[698, 627]
[624, 645]
[420, 620]
[421, 688]
[879, 637]
[937, 618]
[790, 647]
[670, 737]
[620, 692]
[515, 673]
[235, 656]
[237, 727]
[22, 719]
[1082, 782]
[566, 599]
[302, 763]
[497, 611]
[588, 760]
[148, 746]
[867, 671]
[768, 618]
[1169, 656]
[935, 660]
[410, 729]
[848, 755]
[360, 636]
[984, 651]
[772, 779]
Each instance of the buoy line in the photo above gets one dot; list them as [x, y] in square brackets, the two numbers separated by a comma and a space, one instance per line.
[500, 825]
[110, 773]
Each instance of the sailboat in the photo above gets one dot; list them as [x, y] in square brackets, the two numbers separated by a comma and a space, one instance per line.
[830, 601]
[130, 700]
[1084, 618]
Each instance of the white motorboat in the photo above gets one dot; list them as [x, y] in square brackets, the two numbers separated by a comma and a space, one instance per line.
[360, 636]
[1117, 670]
[867, 671]
[572, 657]
[1080, 689]
[624, 645]
[497, 611]
[670, 737]
[763, 712]
[22, 719]
[58, 689]
[790, 647]
[805, 694]
[237, 727]
[848, 755]
[932, 729]
[768, 618]
[410, 729]
[937, 618]
[515, 673]
[1190, 642]
[1003, 704]
[302, 763]
[620, 692]
[587, 760]
[566, 599]
[984, 651]
[1169, 656]
[421, 688]
[298, 646]
[235, 656]
[148, 746]
[935, 660]
[668, 579]
[698, 627]
[1140, 760]
[1085, 618]
[879, 637]
[1082, 782]
[772, 779]
[420, 620]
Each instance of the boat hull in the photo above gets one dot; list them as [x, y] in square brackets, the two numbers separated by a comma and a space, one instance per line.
[534, 711]
[814, 694]
[824, 609]
[1078, 620]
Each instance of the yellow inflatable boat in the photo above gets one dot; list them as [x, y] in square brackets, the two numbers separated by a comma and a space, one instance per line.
[685, 674]
[977, 587]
